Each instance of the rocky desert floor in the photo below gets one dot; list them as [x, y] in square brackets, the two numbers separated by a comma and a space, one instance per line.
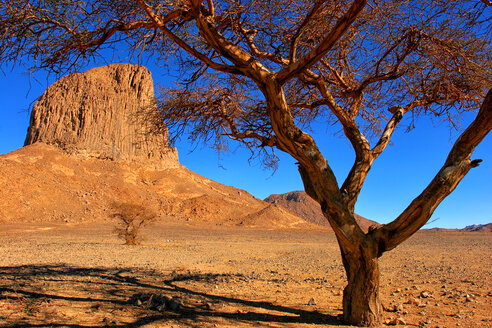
[80, 275]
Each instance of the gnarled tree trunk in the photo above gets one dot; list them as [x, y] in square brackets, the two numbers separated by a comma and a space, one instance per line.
[360, 252]
[361, 304]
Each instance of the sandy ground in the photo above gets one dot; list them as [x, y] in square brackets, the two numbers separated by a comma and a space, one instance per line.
[80, 275]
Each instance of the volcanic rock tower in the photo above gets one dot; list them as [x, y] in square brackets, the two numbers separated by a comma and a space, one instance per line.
[106, 112]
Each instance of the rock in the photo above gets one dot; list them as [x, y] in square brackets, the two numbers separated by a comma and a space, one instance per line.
[311, 302]
[395, 321]
[424, 323]
[413, 301]
[394, 308]
[424, 294]
[105, 112]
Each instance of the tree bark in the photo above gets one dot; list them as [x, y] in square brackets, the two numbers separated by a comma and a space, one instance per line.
[361, 303]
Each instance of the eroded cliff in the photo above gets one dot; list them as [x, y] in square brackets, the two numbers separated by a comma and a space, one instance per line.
[102, 113]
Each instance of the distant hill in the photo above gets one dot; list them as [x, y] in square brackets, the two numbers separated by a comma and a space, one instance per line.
[478, 227]
[299, 203]
[471, 228]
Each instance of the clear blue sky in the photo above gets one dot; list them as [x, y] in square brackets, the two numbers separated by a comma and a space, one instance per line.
[397, 176]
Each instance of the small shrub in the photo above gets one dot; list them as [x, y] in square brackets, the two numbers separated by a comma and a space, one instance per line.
[131, 219]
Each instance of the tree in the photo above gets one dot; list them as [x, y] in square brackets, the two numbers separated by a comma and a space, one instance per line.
[131, 219]
[260, 72]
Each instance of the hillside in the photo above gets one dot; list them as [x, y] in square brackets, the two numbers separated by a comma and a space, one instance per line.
[41, 183]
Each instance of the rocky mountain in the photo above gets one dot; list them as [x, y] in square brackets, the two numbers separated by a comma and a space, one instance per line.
[86, 149]
[103, 113]
[299, 203]
[478, 228]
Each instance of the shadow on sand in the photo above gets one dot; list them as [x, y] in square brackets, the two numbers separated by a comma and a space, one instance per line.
[65, 296]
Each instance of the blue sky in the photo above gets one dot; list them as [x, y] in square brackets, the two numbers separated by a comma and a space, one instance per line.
[397, 176]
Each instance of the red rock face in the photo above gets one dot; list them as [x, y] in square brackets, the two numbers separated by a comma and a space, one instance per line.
[101, 113]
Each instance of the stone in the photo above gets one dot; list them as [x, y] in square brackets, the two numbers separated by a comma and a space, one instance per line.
[413, 301]
[394, 308]
[106, 112]
[311, 301]
[395, 321]
[424, 294]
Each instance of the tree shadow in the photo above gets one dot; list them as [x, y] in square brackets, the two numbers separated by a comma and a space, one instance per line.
[66, 296]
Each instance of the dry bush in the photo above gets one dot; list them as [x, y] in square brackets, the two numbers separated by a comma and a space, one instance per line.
[131, 219]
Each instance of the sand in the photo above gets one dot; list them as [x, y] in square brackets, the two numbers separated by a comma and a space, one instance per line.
[80, 275]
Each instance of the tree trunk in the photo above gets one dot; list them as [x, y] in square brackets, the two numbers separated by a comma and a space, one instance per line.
[361, 304]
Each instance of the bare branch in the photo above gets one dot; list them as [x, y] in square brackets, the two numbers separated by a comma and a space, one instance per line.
[211, 8]
[456, 166]
[248, 36]
[329, 41]
[319, 180]
[336, 74]
[295, 39]
[243, 61]
[363, 161]
[107, 33]
[160, 23]
[413, 40]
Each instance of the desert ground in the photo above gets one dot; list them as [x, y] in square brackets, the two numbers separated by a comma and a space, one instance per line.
[81, 275]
